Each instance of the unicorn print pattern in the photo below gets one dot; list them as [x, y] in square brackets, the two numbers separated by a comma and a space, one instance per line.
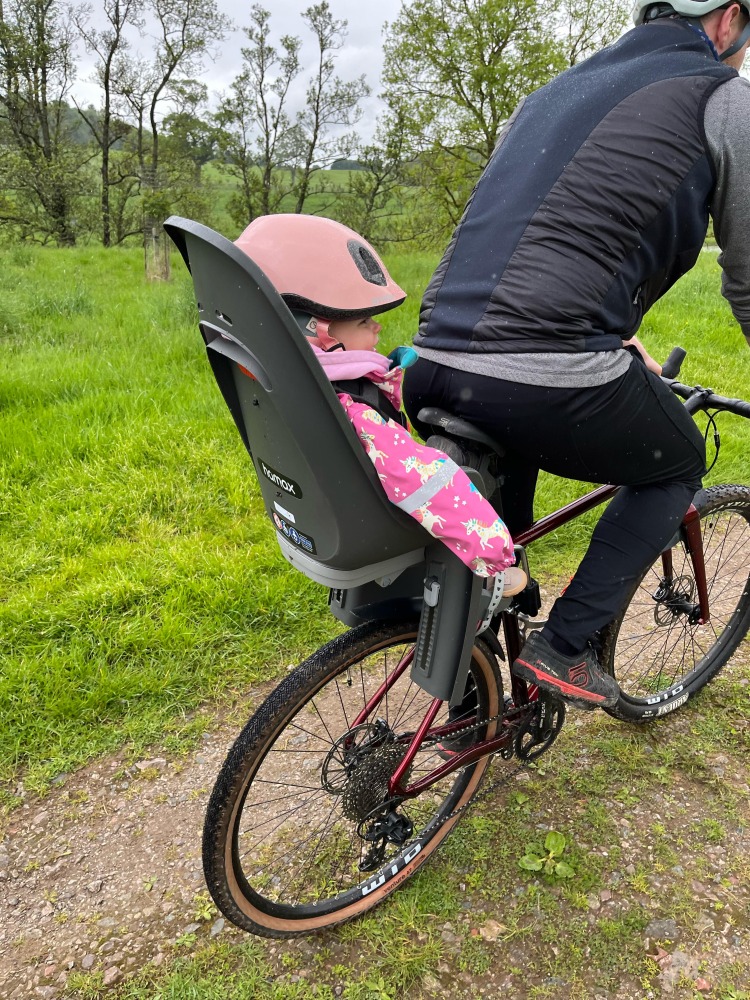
[434, 523]
[425, 469]
[486, 532]
[455, 512]
[368, 440]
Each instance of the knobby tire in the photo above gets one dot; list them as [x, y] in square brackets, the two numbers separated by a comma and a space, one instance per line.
[658, 656]
[281, 857]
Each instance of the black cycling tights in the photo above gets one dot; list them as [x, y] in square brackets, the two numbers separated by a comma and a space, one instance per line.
[631, 432]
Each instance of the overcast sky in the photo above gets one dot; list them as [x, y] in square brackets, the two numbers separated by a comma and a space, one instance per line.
[362, 51]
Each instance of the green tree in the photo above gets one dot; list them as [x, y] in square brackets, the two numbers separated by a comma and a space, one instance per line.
[272, 152]
[190, 136]
[111, 48]
[331, 103]
[133, 80]
[587, 26]
[254, 127]
[380, 201]
[455, 69]
[185, 32]
[188, 144]
[43, 170]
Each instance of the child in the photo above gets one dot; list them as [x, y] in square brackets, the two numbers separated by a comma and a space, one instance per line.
[334, 282]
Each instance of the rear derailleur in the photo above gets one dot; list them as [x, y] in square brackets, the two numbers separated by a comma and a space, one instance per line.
[358, 768]
[389, 828]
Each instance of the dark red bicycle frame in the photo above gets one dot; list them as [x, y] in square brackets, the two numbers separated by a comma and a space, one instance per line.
[691, 535]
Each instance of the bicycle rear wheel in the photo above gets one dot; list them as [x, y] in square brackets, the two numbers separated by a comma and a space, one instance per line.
[281, 850]
[656, 649]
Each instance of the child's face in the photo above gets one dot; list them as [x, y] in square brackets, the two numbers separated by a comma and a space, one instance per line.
[355, 334]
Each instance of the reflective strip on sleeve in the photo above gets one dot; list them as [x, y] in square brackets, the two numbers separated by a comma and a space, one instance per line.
[428, 490]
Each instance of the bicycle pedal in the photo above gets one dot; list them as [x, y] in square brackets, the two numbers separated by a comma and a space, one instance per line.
[529, 601]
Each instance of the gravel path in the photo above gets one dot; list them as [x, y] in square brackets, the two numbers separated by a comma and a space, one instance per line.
[105, 873]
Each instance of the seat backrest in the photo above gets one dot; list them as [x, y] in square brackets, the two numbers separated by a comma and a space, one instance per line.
[332, 519]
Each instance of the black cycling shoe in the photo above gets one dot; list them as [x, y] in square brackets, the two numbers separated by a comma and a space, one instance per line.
[579, 679]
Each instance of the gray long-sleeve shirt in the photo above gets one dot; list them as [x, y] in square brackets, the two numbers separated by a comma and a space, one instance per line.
[727, 125]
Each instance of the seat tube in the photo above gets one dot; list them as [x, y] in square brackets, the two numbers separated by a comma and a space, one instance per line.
[691, 525]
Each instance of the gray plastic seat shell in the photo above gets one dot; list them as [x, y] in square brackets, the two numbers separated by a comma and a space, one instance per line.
[292, 423]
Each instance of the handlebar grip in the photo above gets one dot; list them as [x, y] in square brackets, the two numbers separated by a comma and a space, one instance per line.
[739, 407]
[671, 367]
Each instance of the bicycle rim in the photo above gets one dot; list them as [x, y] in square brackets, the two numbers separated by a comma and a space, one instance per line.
[282, 854]
[658, 655]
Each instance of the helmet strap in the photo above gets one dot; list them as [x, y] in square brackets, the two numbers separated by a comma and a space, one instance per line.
[695, 23]
[317, 329]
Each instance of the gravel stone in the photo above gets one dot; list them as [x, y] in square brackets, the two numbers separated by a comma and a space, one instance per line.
[111, 975]
[662, 930]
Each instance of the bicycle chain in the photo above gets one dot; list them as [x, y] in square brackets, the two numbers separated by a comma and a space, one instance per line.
[483, 792]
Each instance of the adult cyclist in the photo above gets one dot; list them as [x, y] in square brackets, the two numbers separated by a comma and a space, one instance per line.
[594, 202]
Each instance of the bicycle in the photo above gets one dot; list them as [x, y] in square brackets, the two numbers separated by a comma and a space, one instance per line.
[349, 776]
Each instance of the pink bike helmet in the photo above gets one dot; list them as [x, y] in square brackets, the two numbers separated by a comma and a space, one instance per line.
[320, 267]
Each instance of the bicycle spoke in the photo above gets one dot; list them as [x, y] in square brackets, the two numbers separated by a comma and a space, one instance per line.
[332, 739]
[658, 645]
[279, 798]
[315, 736]
[297, 838]
[343, 706]
[305, 865]
[279, 820]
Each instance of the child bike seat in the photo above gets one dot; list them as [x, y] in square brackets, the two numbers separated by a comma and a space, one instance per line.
[332, 519]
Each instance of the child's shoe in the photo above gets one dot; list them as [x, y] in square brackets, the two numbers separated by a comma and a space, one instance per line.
[514, 580]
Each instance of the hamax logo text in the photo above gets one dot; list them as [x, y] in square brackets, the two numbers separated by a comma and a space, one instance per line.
[283, 482]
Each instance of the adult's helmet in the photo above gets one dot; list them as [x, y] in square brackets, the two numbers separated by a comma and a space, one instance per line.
[692, 10]
[320, 267]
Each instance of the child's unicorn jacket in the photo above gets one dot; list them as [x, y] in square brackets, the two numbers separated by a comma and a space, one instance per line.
[422, 481]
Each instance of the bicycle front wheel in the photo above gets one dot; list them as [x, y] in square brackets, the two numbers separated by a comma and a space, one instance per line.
[285, 846]
[656, 649]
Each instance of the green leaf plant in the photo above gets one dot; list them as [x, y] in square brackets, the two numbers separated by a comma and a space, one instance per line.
[547, 859]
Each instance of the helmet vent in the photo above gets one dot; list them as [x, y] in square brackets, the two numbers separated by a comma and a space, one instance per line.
[367, 264]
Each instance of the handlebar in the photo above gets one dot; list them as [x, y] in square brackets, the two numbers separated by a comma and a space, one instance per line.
[695, 396]
[706, 399]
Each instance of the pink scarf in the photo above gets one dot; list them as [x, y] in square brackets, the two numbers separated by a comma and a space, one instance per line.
[342, 365]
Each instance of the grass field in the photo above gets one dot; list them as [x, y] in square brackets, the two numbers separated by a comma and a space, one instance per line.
[140, 577]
